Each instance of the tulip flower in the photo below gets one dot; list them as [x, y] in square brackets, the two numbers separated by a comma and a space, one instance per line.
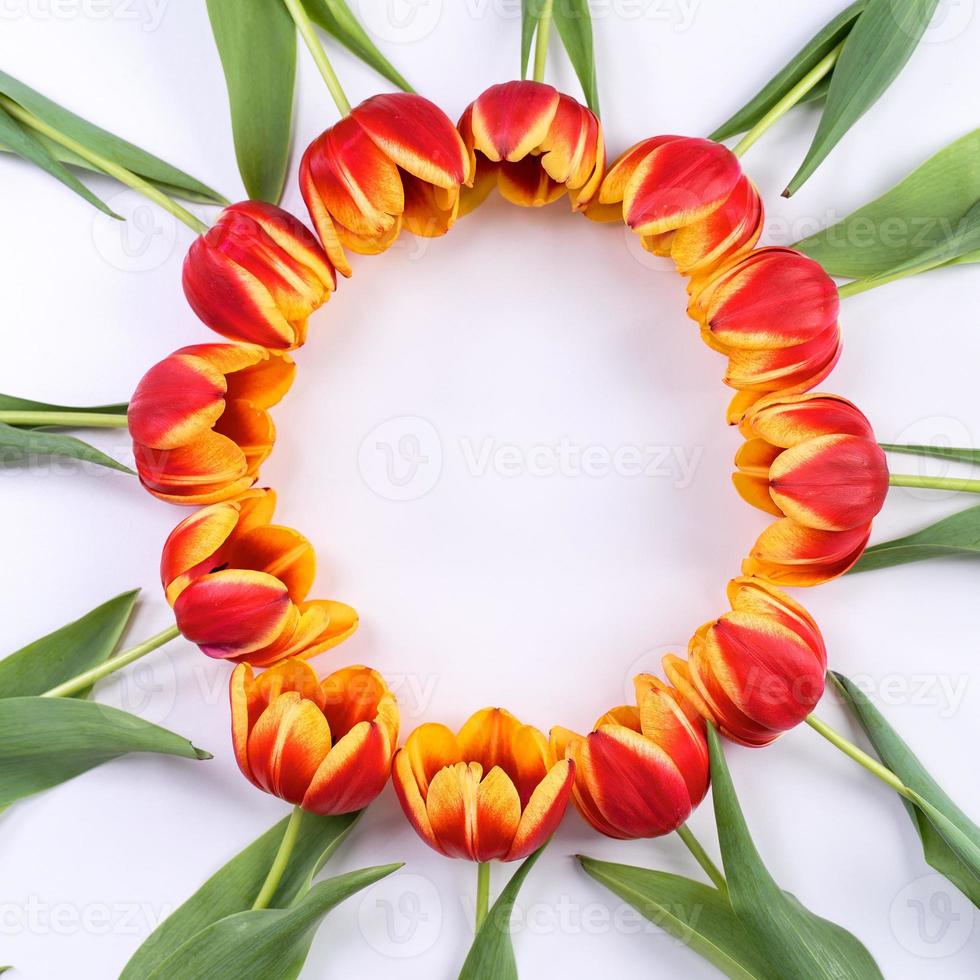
[758, 670]
[199, 420]
[325, 746]
[813, 458]
[644, 767]
[258, 275]
[533, 144]
[238, 585]
[395, 161]
[787, 553]
[494, 791]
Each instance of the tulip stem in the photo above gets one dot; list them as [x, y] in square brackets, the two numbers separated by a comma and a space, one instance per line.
[701, 856]
[934, 482]
[68, 420]
[859, 756]
[312, 40]
[110, 666]
[541, 41]
[278, 867]
[104, 164]
[482, 892]
[790, 99]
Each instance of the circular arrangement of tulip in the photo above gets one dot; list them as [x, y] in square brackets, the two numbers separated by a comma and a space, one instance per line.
[497, 789]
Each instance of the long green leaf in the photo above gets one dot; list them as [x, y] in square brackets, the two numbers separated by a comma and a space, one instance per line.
[808, 946]
[822, 43]
[940, 452]
[256, 41]
[67, 652]
[492, 952]
[105, 143]
[875, 52]
[26, 145]
[573, 19]
[958, 534]
[696, 914]
[267, 943]
[46, 741]
[17, 444]
[11, 403]
[335, 17]
[920, 212]
[233, 888]
[950, 839]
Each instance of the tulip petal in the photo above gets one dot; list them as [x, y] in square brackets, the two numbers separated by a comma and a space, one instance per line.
[498, 814]
[451, 805]
[428, 749]
[353, 773]
[203, 467]
[544, 811]
[281, 552]
[511, 119]
[787, 420]
[193, 543]
[789, 554]
[411, 799]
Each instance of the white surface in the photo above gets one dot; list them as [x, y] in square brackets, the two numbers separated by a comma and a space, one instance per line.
[541, 592]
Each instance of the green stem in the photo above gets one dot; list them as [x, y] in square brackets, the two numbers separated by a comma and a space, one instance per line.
[89, 677]
[790, 99]
[279, 862]
[68, 420]
[863, 285]
[701, 856]
[934, 482]
[308, 32]
[104, 164]
[482, 892]
[862, 758]
[541, 42]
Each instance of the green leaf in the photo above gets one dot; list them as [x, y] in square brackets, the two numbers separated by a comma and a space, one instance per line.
[950, 839]
[26, 145]
[46, 741]
[233, 888]
[574, 22]
[696, 914]
[940, 452]
[10, 403]
[256, 41]
[106, 144]
[335, 17]
[808, 946]
[920, 212]
[492, 952]
[958, 534]
[67, 652]
[19, 443]
[267, 942]
[798, 68]
[876, 50]
[530, 12]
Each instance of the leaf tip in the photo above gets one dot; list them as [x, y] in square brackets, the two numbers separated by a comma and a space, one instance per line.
[202, 754]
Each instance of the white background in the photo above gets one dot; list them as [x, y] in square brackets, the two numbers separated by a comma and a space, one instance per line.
[543, 591]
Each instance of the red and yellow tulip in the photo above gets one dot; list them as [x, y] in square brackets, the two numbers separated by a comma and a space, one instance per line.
[494, 791]
[238, 585]
[200, 422]
[756, 671]
[395, 162]
[258, 275]
[532, 143]
[324, 746]
[644, 767]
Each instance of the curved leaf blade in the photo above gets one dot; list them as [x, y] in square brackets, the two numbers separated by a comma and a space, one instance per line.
[47, 741]
[950, 839]
[16, 444]
[233, 887]
[958, 534]
[266, 942]
[696, 914]
[256, 42]
[492, 952]
[105, 143]
[919, 212]
[822, 43]
[939, 452]
[573, 19]
[335, 17]
[76, 647]
[874, 54]
[11, 403]
[809, 946]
